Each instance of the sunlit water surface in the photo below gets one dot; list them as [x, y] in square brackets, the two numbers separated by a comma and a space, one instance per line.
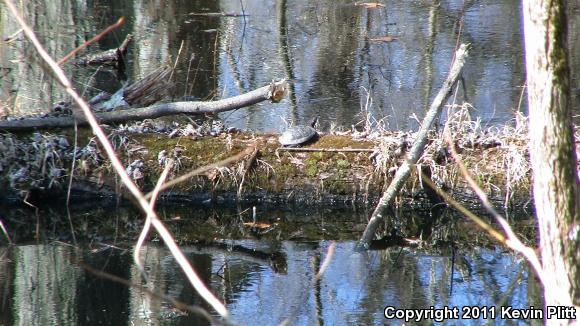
[263, 278]
[326, 49]
[40, 284]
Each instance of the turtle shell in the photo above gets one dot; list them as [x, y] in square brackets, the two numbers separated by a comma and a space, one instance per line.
[297, 135]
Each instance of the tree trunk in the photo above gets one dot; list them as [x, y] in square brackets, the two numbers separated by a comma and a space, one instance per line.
[552, 150]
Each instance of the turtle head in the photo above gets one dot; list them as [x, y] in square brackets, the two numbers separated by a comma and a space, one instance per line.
[314, 121]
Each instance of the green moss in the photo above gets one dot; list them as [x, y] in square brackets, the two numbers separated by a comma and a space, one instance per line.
[337, 185]
[342, 164]
[306, 174]
[311, 170]
[318, 156]
[284, 173]
[334, 141]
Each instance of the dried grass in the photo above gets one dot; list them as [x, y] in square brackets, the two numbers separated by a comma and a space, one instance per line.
[497, 156]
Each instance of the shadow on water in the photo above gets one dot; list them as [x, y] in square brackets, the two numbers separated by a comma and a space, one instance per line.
[264, 274]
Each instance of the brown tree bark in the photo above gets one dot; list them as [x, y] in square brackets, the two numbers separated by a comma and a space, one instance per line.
[552, 150]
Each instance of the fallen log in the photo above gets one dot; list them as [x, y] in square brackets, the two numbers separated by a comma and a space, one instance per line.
[214, 169]
[273, 92]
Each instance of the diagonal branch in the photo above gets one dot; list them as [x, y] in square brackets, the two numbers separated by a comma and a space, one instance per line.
[510, 240]
[416, 150]
[99, 36]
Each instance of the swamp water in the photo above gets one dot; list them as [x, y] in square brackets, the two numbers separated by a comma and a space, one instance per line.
[263, 277]
[330, 51]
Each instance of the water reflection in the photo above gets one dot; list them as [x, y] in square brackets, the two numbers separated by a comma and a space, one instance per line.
[44, 286]
[323, 47]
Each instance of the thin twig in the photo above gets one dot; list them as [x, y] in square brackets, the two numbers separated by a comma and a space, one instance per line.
[194, 279]
[70, 181]
[176, 60]
[511, 240]
[204, 169]
[147, 225]
[338, 150]
[106, 31]
[217, 14]
[191, 58]
[12, 36]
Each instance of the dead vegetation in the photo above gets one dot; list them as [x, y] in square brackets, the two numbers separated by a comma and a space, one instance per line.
[498, 158]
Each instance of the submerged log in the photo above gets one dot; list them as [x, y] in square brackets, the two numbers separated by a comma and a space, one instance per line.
[112, 57]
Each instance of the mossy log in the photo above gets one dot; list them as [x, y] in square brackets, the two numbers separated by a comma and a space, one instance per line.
[35, 166]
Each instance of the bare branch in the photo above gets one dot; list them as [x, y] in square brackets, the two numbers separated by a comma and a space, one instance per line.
[107, 30]
[5, 232]
[147, 225]
[511, 240]
[416, 150]
[269, 92]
